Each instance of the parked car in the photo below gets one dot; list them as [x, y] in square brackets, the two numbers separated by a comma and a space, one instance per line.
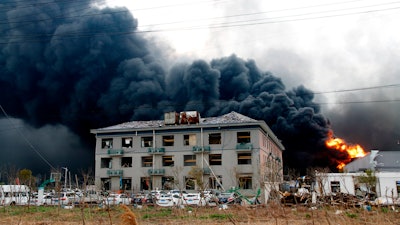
[48, 200]
[165, 200]
[117, 199]
[193, 199]
[228, 198]
[65, 198]
[157, 193]
[140, 199]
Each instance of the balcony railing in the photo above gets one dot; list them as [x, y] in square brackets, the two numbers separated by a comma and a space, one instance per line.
[156, 172]
[244, 146]
[115, 152]
[200, 149]
[114, 173]
[156, 150]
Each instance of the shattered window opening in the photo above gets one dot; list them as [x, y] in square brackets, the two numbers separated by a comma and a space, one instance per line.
[214, 139]
[147, 141]
[106, 143]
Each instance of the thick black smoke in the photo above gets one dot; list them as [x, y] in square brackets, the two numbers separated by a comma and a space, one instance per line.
[83, 67]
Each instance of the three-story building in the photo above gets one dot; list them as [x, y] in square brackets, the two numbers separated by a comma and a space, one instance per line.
[184, 151]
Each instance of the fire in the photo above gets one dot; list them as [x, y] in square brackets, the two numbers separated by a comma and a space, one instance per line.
[354, 151]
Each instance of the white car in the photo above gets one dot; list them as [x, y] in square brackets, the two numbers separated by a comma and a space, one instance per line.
[165, 200]
[193, 199]
[118, 199]
[48, 200]
[65, 198]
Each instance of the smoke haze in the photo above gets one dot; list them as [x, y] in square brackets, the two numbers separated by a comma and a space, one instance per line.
[68, 67]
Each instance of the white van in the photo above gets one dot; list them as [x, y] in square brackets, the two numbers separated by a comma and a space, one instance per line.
[14, 195]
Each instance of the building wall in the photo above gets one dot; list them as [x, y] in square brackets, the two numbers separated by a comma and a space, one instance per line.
[387, 183]
[262, 150]
[325, 183]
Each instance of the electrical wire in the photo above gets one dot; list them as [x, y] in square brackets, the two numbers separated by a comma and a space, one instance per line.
[26, 140]
[131, 30]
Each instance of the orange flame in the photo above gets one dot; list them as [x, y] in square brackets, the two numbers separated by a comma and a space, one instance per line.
[354, 151]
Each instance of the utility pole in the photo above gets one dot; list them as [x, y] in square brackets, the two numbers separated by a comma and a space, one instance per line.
[65, 176]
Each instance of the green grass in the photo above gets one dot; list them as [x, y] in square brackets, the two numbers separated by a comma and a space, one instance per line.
[220, 216]
[162, 213]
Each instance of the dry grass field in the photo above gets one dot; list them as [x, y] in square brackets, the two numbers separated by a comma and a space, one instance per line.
[267, 215]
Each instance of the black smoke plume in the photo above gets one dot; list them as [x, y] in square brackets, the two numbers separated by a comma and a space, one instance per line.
[74, 64]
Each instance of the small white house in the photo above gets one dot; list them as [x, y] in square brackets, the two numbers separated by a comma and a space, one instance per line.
[385, 167]
[387, 183]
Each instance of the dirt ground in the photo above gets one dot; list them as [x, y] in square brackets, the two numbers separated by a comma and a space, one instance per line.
[266, 215]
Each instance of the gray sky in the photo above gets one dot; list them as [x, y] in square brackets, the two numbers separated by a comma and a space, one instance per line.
[346, 52]
[327, 46]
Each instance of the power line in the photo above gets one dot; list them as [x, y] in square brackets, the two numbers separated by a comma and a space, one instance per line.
[358, 89]
[83, 34]
[26, 139]
[279, 10]
[357, 102]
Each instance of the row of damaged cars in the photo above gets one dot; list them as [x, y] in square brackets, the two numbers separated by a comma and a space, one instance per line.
[182, 198]
[73, 198]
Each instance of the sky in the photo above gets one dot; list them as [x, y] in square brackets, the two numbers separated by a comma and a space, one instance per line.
[330, 47]
[308, 68]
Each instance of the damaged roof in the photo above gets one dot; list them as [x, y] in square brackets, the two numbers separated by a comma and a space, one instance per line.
[230, 118]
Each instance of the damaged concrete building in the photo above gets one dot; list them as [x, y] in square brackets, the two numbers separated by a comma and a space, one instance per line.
[231, 150]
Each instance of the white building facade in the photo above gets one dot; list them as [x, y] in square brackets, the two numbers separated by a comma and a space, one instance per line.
[387, 184]
[231, 150]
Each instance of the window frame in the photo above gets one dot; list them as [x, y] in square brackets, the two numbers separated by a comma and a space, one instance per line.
[124, 144]
[189, 160]
[214, 138]
[243, 137]
[168, 160]
[188, 139]
[245, 182]
[145, 161]
[105, 145]
[168, 140]
[214, 160]
[146, 141]
[244, 158]
[335, 186]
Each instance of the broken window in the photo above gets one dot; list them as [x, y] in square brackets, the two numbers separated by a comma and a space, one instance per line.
[106, 163]
[243, 137]
[106, 183]
[190, 183]
[147, 141]
[245, 182]
[147, 161]
[127, 142]
[189, 160]
[215, 159]
[167, 183]
[214, 139]
[106, 143]
[126, 162]
[145, 183]
[215, 182]
[126, 184]
[189, 139]
[244, 158]
[168, 140]
[168, 160]
[335, 186]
